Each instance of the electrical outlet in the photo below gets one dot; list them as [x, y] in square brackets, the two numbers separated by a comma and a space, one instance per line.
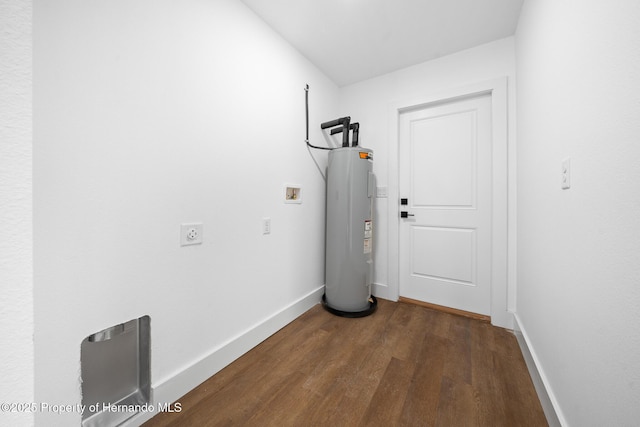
[190, 234]
[266, 225]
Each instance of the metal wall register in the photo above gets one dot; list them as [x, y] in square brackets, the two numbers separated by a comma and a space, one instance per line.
[116, 372]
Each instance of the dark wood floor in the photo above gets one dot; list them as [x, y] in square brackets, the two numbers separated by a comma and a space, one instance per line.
[404, 365]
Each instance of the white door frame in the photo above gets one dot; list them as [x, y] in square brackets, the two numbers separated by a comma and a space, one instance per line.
[497, 88]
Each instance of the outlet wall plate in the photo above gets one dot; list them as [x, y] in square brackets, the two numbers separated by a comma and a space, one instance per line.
[191, 234]
[381, 192]
[266, 225]
[565, 182]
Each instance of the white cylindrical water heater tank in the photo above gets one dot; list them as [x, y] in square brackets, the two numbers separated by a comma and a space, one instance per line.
[349, 235]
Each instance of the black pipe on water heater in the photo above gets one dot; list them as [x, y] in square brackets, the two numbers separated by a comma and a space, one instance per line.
[355, 127]
[336, 122]
[356, 132]
[345, 122]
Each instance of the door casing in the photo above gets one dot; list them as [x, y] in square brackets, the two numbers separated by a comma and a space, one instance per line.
[497, 89]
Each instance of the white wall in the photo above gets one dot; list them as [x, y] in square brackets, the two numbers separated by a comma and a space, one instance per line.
[578, 249]
[370, 103]
[148, 115]
[16, 210]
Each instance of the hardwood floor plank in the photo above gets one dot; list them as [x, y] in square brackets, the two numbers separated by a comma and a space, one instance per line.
[483, 377]
[516, 384]
[458, 361]
[372, 332]
[458, 405]
[287, 400]
[437, 323]
[405, 332]
[347, 397]
[404, 365]
[421, 404]
[395, 382]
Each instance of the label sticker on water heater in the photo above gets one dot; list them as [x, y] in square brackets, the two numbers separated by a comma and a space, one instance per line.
[368, 231]
[367, 246]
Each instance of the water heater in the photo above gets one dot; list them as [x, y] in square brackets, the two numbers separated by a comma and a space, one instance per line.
[349, 232]
[349, 221]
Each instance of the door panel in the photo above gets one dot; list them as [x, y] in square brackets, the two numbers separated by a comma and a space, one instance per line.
[443, 254]
[445, 172]
[443, 160]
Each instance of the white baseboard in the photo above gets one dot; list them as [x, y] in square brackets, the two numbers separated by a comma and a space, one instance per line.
[181, 383]
[547, 399]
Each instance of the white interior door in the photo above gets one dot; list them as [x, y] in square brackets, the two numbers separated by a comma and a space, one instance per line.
[445, 177]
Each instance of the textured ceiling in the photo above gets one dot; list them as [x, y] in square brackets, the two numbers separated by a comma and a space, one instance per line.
[353, 40]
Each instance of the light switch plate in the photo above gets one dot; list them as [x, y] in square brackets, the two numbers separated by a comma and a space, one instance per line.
[266, 225]
[566, 174]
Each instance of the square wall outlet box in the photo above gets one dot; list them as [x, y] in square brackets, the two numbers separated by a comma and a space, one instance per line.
[292, 193]
[191, 234]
